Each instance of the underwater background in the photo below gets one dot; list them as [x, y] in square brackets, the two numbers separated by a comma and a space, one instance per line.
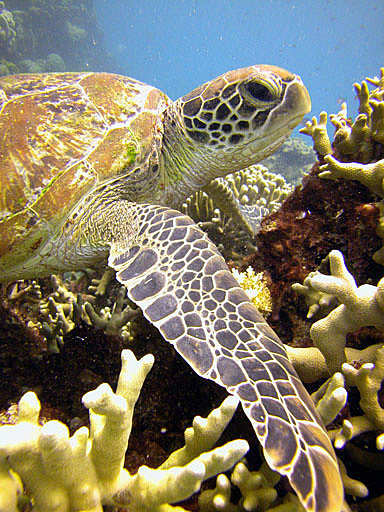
[62, 336]
[177, 45]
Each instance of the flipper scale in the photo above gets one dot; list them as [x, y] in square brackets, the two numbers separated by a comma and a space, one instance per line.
[183, 286]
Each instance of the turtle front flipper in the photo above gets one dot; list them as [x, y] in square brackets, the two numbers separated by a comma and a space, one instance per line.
[178, 278]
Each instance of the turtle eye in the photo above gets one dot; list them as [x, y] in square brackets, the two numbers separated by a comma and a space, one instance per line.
[259, 92]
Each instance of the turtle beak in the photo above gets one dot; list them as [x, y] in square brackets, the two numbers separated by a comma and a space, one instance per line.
[302, 96]
[296, 104]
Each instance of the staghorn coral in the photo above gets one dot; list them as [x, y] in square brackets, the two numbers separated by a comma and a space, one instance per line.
[86, 470]
[72, 298]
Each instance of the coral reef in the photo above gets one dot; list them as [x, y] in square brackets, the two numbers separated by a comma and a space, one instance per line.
[57, 308]
[358, 307]
[353, 140]
[257, 492]
[256, 286]
[230, 209]
[96, 299]
[358, 145]
[345, 310]
[7, 28]
[86, 470]
[44, 36]
[321, 216]
[292, 160]
[53, 62]
[258, 488]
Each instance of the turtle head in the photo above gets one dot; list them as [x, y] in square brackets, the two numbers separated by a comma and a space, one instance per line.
[235, 120]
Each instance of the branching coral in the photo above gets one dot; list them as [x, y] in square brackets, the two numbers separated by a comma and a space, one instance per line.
[230, 209]
[257, 488]
[364, 369]
[85, 471]
[257, 493]
[358, 145]
[330, 400]
[368, 378]
[353, 140]
[371, 175]
[359, 306]
[71, 301]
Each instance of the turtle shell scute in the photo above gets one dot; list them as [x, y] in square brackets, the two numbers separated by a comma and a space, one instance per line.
[63, 134]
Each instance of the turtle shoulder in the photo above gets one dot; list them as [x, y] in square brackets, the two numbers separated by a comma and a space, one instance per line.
[62, 135]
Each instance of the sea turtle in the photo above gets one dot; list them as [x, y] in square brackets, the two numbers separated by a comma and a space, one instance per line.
[94, 165]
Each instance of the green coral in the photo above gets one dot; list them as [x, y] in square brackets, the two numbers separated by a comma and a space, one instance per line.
[257, 493]
[76, 297]
[85, 471]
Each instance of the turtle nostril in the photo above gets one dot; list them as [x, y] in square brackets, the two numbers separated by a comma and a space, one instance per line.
[259, 91]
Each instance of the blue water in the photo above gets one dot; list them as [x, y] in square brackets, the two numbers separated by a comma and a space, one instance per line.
[178, 44]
